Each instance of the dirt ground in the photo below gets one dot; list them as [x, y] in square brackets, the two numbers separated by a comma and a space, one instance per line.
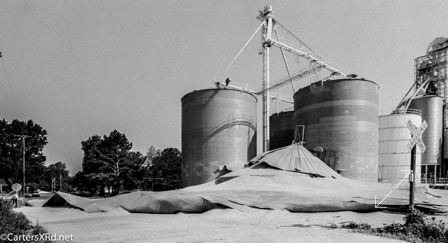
[219, 225]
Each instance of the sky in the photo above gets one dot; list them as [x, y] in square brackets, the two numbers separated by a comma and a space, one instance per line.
[87, 67]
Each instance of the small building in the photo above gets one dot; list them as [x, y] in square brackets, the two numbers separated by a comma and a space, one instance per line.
[3, 184]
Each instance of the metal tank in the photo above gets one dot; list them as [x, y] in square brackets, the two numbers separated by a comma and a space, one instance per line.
[394, 158]
[432, 112]
[341, 117]
[444, 168]
[282, 129]
[218, 128]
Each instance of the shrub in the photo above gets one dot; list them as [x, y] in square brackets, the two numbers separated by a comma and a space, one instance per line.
[333, 226]
[355, 225]
[16, 222]
[414, 217]
[417, 228]
[394, 228]
[434, 231]
[10, 221]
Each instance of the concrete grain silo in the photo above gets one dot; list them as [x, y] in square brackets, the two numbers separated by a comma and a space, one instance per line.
[341, 116]
[218, 128]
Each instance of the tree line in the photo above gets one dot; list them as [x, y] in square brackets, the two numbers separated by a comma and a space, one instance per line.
[38, 176]
[109, 165]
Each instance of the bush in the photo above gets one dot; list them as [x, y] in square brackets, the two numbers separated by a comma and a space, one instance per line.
[394, 229]
[415, 229]
[15, 222]
[333, 226]
[355, 225]
[12, 222]
[426, 230]
[414, 217]
[433, 231]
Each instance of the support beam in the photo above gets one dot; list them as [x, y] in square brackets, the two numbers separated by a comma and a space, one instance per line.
[295, 77]
[285, 61]
[306, 56]
[267, 32]
[222, 85]
[244, 47]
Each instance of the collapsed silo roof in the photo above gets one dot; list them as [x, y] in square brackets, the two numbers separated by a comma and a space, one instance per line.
[296, 158]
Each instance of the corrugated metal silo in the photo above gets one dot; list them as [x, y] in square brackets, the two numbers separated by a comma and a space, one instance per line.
[394, 158]
[432, 112]
[282, 129]
[445, 148]
[218, 128]
[341, 116]
[445, 144]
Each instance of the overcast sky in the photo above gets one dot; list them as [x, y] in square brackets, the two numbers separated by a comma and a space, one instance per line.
[80, 68]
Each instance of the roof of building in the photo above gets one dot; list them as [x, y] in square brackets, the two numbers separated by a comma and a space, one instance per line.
[437, 44]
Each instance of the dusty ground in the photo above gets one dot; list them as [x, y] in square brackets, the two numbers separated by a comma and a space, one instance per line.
[222, 225]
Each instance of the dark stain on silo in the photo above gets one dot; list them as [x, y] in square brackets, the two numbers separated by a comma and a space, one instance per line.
[282, 129]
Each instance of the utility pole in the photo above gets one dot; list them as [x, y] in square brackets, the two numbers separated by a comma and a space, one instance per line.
[53, 183]
[23, 137]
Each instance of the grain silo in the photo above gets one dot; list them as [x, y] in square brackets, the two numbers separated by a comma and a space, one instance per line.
[282, 129]
[341, 116]
[218, 128]
[394, 158]
[431, 107]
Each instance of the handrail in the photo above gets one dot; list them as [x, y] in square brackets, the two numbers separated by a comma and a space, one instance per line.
[434, 181]
[409, 111]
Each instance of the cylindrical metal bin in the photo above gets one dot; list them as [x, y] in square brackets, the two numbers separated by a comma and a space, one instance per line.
[341, 116]
[445, 144]
[445, 150]
[218, 128]
[394, 158]
[432, 112]
[282, 129]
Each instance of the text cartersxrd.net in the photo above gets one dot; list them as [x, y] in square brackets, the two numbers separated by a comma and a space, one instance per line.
[34, 238]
